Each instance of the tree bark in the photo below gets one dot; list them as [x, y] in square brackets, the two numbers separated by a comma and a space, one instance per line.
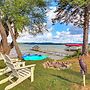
[4, 43]
[11, 45]
[14, 41]
[85, 31]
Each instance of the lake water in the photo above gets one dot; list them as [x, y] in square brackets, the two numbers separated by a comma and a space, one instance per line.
[54, 51]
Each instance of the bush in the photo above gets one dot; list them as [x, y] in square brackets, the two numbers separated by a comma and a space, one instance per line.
[76, 54]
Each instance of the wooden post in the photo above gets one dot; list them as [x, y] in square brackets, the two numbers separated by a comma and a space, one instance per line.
[32, 74]
[84, 80]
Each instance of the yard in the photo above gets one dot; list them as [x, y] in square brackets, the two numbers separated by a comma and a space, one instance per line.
[50, 79]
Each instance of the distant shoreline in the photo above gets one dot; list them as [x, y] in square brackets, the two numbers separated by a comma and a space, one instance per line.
[49, 43]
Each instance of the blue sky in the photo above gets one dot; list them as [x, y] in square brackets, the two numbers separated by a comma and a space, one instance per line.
[58, 33]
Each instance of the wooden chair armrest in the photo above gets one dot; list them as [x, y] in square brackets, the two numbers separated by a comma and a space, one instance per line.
[33, 65]
[19, 64]
[15, 60]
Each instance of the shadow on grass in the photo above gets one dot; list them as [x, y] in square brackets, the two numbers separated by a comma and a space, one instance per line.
[76, 76]
[71, 72]
[65, 79]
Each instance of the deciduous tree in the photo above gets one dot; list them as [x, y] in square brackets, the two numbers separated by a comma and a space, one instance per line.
[20, 14]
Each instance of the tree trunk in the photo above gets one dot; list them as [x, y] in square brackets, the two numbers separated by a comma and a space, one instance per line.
[4, 43]
[85, 31]
[14, 41]
[11, 45]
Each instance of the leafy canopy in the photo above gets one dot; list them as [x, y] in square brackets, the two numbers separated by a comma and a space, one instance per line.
[71, 11]
[23, 12]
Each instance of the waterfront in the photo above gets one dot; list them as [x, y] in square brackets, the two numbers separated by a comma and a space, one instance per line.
[56, 52]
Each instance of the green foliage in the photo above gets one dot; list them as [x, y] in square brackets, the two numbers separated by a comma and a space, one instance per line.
[80, 3]
[20, 12]
[71, 11]
[76, 54]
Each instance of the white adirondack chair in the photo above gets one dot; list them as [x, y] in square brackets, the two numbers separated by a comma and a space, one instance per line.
[16, 63]
[21, 73]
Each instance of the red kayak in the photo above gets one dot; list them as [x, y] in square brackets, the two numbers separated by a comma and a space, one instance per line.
[70, 45]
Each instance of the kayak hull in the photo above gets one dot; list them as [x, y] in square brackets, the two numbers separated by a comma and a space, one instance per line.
[34, 57]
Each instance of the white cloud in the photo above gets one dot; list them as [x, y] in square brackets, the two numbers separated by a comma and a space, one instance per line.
[26, 37]
[63, 33]
[49, 35]
[50, 14]
[60, 37]
[66, 37]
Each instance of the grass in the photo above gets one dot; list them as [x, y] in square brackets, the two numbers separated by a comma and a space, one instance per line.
[49, 79]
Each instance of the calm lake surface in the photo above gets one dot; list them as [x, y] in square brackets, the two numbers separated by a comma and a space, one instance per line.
[55, 51]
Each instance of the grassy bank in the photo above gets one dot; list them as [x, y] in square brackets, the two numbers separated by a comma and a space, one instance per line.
[49, 79]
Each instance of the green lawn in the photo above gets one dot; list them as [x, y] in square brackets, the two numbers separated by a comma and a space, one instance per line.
[49, 79]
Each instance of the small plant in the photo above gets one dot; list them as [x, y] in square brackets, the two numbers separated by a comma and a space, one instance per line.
[76, 54]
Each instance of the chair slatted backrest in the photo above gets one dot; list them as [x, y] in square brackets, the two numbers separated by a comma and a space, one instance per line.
[11, 66]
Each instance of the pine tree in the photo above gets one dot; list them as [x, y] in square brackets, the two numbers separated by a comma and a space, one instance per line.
[76, 12]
